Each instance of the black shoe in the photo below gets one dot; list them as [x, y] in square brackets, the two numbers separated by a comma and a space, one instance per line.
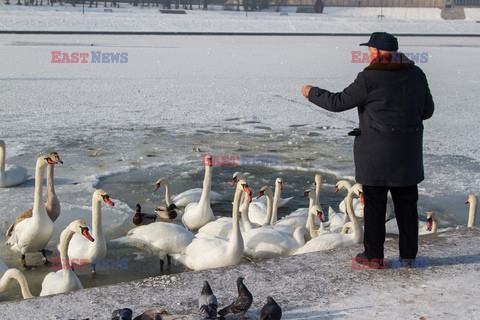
[407, 263]
[371, 263]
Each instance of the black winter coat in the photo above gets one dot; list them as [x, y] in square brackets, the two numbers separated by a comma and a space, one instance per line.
[393, 98]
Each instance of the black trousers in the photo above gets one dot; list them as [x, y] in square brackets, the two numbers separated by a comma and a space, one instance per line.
[406, 212]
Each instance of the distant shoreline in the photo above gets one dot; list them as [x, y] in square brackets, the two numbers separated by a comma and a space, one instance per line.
[207, 33]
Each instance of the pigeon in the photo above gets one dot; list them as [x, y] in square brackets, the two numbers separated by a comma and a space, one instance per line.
[140, 218]
[207, 302]
[122, 314]
[241, 304]
[271, 310]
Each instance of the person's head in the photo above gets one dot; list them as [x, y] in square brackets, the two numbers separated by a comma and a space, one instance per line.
[381, 43]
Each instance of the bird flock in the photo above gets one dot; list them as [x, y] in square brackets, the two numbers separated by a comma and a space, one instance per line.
[201, 241]
[208, 306]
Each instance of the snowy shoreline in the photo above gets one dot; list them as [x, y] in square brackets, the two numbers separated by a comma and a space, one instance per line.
[319, 285]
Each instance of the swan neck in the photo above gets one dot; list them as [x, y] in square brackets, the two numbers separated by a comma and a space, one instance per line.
[38, 204]
[351, 214]
[268, 217]
[299, 236]
[311, 225]
[311, 202]
[167, 193]
[317, 194]
[65, 238]
[247, 225]
[96, 219]
[11, 274]
[207, 184]
[50, 184]
[276, 200]
[472, 212]
[236, 239]
[2, 157]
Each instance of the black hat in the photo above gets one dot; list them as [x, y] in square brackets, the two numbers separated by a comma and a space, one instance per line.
[382, 41]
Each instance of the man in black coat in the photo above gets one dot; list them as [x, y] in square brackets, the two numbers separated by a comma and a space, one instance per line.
[393, 98]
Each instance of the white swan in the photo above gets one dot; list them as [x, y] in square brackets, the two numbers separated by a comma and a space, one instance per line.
[65, 280]
[357, 204]
[167, 211]
[11, 175]
[326, 241]
[198, 214]
[52, 206]
[267, 242]
[391, 226]
[315, 211]
[159, 238]
[205, 253]
[336, 220]
[281, 201]
[271, 241]
[80, 249]
[258, 212]
[163, 182]
[299, 217]
[191, 195]
[222, 227]
[472, 212]
[33, 234]
[15, 274]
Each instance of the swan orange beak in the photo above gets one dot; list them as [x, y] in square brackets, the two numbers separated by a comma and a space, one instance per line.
[234, 180]
[305, 194]
[429, 225]
[248, 191]
[362, 198]
[466, 202]
[106, 199]
[157, 186]
[336, 189]
[260, 194]
[320, 215]
[51, 161]
[280, 185]
[86, 234]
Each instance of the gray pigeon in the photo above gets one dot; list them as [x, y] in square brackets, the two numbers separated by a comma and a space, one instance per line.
[122, 314]
[271, 310]
[207, 302]
[241, 304]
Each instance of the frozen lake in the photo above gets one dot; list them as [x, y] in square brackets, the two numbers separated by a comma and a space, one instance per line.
[121, 126]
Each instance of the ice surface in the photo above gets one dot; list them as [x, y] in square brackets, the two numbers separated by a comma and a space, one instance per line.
[128, 124]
